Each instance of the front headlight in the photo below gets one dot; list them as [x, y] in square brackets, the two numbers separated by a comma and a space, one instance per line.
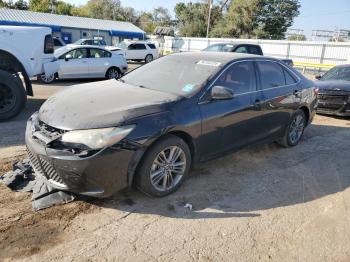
[97, 138]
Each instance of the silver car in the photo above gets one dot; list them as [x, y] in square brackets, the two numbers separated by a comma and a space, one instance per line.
[76, 61]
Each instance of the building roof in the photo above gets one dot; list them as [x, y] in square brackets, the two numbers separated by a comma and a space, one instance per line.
[21, 17]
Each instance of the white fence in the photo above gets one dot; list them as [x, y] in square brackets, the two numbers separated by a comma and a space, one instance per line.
[299, 51]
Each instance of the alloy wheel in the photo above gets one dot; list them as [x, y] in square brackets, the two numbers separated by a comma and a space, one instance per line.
[296, 129]
[168, 168]
[48, 79]
[113, 73]
[7, 99]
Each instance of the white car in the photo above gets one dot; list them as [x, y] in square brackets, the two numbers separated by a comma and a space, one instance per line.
[76, 61]
[139, 50]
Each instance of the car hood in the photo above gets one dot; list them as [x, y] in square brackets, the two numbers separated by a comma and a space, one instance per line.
[334, 85]
[101, 104]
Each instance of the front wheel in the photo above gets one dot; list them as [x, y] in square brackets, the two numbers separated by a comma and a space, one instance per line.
[295, 130]
[46, 79]
[164, 167]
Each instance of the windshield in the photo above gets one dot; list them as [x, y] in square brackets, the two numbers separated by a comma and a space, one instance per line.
[61, 51]
[337, 73]
[177, 74]
[122, 45]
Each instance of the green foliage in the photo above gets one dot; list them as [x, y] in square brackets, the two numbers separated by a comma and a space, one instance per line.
[296, 37]
[63, 8]
[257, 19]
[40, 6]
[192, 18]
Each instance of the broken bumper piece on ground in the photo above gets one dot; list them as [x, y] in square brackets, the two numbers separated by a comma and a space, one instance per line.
[23, 179]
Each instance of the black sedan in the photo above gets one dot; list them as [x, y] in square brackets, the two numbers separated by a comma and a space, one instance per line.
[151, 126]
[334, 91]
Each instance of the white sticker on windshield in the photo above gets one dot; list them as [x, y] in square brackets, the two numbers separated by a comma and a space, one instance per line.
[208, 63]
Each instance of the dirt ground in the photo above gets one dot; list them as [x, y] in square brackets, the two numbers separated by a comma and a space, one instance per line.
[264, 203]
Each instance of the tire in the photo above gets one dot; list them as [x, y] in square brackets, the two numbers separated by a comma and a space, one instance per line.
[294, 130]
[148, 58]
[113, 73]
[178, 172]
[46, 80]
[12, 95]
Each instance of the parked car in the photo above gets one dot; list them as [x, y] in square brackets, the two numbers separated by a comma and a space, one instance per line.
[95, 42]
[86, 62]
[24, 51]
[241, 48]
[139, 50]
[148, 128]
[334, 91]
[58, 42]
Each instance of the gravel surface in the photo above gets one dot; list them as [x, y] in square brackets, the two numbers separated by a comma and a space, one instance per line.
[264, 203]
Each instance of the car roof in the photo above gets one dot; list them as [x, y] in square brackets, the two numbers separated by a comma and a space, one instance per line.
[345, 65]
[222, 57]
[235, 43]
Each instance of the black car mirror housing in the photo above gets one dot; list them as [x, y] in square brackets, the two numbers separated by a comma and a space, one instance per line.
[318, 77]
[221, 93]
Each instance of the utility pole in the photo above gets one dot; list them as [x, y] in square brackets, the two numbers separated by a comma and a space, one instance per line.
[210, 3]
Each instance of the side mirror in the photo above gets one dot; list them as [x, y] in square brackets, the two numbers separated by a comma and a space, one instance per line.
[318, 77]
[67, 57]
[221, 93]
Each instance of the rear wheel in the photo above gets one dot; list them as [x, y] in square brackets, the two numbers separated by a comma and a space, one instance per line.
[164, 167]
[295, 129]
[149, 58]
[113, 73]
[12, 95]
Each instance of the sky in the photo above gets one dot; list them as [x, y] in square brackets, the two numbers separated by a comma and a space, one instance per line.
[314, 14]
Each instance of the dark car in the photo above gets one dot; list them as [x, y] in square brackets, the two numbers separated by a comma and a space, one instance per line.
[241, 48]
[334, 91]
[148, 128]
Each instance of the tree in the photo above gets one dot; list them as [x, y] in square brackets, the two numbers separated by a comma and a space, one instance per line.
[257, 18]
[161, 16]
[192, 18]
[63, 8]
[276, 16]
[146, 22]
[40, 6]
[296, 37]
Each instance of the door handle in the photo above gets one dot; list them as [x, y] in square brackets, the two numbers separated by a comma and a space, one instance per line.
[257, 104]
[297, 93]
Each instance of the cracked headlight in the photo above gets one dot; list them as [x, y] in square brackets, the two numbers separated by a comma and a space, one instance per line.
[97, 138]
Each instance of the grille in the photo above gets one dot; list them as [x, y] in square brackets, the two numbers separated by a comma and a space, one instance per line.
[332, 101]
[44, 167]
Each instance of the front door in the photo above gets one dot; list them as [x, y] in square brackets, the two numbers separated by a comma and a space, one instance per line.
[230, 124]
[74, 64]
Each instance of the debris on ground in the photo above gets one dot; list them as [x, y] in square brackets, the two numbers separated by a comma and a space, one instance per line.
[23, 178]
[188, 206]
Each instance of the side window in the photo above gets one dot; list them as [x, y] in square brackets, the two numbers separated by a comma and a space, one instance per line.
[96, 53]
[131, 47]
[239, 77]
[152, 46]
[241, 49]
[271, 74]
[80, 53]
[228, 48]
[57, 42]
[140, 47]
[213, 48]
[290, 80]
[255, 50]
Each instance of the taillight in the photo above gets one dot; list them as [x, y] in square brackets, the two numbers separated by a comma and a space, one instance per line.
[48, 45]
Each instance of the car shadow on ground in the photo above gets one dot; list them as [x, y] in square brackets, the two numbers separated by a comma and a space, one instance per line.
[255, 179]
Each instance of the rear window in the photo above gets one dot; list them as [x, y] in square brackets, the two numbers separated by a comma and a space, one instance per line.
[48, 45]
[152, 46]
[255, 50]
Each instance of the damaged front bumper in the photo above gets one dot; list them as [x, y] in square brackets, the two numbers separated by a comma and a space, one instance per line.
[99, 175]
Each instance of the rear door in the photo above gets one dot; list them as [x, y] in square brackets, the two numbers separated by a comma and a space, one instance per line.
[99, 62]
[77, 66]
[228, 124]
[277, 98]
